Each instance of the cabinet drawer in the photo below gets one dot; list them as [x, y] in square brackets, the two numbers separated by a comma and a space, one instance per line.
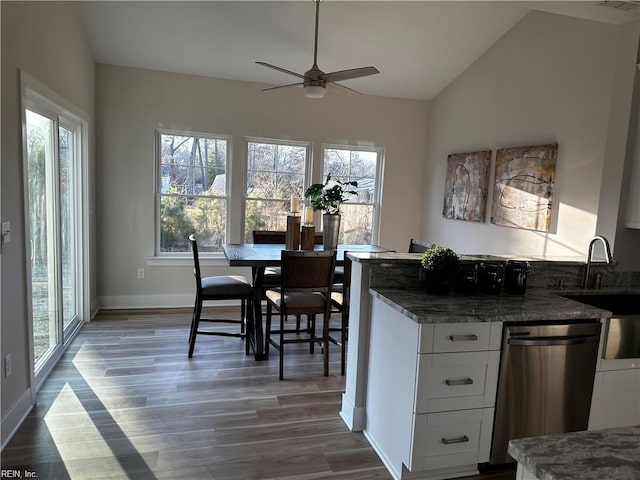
[459, 437]
[456, 381]
[461, 337]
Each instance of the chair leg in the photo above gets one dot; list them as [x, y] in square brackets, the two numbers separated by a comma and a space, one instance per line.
[248, 326]
[193, 321]
[311, 322]
[267, 330]
[196, 322]
[282, 317]
[325, 343]
[243, 312]
[343, 347]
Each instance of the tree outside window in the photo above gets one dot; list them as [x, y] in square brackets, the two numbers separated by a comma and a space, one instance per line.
[192, 190]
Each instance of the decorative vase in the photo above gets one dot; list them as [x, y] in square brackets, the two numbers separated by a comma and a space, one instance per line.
[330, 231]
[439, 282]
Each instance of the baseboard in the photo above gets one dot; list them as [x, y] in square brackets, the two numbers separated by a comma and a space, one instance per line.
[155, 301]
[392, 471]
[15, 416]
[354, 417]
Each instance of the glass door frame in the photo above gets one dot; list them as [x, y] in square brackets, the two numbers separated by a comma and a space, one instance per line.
[40, 99]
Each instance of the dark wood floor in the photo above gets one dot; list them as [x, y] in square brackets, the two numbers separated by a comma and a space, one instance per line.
[125, 402]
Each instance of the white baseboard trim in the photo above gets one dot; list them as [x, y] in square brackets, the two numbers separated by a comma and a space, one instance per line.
[394, 473]
[15, 416]
[156, 301]
[354, 417]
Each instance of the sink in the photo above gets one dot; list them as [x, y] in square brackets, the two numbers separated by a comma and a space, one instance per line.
[622, 330]
[616, 303]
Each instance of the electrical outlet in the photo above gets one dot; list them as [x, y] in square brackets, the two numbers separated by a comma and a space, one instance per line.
[141, 273]
[6, 232]
[7, 365]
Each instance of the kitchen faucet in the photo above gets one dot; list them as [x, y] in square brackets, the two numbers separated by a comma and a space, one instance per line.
[607, 252]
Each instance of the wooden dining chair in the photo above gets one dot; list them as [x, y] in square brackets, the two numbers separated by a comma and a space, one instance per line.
[220, 287]
[418, 246]
[305, 289]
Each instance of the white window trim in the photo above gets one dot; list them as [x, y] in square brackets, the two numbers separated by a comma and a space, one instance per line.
[39, 98]
[173, 259]
[377, 195]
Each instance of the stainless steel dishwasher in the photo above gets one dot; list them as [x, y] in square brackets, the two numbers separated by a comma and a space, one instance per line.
[545, 381]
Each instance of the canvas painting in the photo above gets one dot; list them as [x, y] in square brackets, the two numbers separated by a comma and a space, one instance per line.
[466, 186]
[523, 189]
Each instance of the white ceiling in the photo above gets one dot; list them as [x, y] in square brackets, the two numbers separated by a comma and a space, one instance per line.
[418, 46]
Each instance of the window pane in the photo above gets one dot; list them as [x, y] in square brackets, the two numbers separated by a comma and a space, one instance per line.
[183, 215]
[275, 172]
[41, 212]
[264, 215]
[193, 192]
[68, 215]
[356, 224]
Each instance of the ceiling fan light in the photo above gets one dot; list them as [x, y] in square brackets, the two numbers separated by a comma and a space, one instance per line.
[314, 91]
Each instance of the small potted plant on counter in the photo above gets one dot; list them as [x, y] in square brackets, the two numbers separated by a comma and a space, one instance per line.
[440, 264]
[328, 197]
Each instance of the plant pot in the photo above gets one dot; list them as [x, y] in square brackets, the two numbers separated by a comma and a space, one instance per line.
[330, 231]
[439, 283]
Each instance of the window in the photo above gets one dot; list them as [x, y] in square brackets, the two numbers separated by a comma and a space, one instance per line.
[359, 213]
[275, 172]
[192, 191]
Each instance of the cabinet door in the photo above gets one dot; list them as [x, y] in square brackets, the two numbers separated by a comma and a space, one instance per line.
[616, 399]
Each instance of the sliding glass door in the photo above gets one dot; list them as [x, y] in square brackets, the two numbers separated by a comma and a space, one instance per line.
[53, 147]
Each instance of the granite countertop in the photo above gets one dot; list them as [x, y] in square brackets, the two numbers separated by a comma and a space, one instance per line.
[612, 453]
[536, 304]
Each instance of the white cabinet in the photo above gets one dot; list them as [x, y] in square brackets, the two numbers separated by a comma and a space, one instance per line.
[430, 394]
[616, 399]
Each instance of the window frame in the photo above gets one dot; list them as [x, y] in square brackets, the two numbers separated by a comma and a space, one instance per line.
[308, 169]
[377, 194]
[159, 132]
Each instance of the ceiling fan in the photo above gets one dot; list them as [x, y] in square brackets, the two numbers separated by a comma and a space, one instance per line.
[314, 81]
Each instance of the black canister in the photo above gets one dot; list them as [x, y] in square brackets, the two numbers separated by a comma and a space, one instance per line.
[515, 276]
[467, 278]
[491, 277]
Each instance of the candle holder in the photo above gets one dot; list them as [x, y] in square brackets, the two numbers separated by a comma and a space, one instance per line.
[308, 237]
[292, 237]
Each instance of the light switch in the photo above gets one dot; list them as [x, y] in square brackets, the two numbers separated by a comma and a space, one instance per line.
[6, 232]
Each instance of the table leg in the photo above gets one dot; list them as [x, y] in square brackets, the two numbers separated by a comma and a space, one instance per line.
[260, 351]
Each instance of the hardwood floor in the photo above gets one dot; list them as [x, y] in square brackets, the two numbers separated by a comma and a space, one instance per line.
[125, 402]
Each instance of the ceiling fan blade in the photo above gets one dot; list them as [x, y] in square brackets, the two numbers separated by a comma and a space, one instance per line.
[348, 74]
[343, 88]
[282, 86]
[283, 70]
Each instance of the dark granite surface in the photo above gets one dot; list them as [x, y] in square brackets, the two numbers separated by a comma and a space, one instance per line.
[536, 304]
[611, 454]
[395, 279]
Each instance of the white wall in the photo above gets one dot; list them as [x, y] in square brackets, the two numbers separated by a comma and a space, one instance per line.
[46, 41]
[550, 79]
[132, 103]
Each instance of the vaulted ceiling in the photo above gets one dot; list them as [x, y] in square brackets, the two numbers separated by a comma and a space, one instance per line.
[418, 46]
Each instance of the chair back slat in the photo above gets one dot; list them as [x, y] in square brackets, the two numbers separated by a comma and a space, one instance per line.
[418, 246]
[307, 270]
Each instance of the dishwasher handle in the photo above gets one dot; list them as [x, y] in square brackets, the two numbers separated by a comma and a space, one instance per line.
[549, 341]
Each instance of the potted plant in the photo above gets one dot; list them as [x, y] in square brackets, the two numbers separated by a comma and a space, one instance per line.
[329, 197]
[440, 264]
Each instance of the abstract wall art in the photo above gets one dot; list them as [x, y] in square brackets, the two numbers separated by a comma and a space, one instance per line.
[523, 189]
[466, 186]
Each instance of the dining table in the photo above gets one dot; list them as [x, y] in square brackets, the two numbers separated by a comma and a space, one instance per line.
[261, 256]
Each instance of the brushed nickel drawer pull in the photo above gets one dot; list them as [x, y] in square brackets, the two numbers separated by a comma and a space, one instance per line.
[449, 441]
[463, 338]
[464, 381]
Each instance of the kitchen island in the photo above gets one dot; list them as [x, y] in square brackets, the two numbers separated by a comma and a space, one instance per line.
[612, 453]
[422, 369]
